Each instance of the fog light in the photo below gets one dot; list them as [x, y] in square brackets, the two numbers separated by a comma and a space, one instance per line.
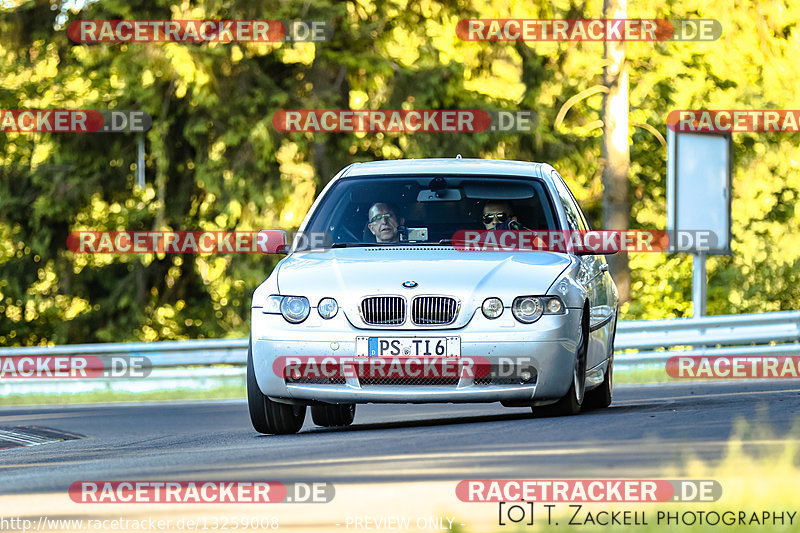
[527, 375]
[492, 307]
[327, 308]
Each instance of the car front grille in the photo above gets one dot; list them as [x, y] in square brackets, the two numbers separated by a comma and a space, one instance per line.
[508, 380]
[433, 310]
[383, 310]
[315, 381]
[407, 382]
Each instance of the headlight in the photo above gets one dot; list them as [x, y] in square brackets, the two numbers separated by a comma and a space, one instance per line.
[553, 306]
[295, 309]
[492, 307]
[527, 309]
[327, 308]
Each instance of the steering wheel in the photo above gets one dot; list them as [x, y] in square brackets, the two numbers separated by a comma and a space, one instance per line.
[345, 235]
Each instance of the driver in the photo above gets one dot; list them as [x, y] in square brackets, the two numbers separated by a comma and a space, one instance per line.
[383, 222]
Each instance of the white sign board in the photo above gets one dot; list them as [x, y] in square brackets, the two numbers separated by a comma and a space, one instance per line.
[699, 168]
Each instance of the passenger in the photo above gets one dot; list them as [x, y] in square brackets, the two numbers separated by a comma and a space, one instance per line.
[497, 214]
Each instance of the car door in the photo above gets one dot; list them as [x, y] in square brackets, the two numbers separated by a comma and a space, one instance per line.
[593, 275]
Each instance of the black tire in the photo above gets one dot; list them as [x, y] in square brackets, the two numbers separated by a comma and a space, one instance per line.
[571, 403]
[328, 416]
[600, 398]
[267, 416]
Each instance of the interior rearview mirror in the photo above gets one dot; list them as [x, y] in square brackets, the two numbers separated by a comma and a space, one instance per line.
[441, 195]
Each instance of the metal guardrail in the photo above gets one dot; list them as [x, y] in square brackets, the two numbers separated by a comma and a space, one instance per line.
[654, 341]
[724, 335]
[163, 353]
[783, 326]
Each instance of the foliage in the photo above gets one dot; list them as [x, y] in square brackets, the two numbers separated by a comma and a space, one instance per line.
[214, 161]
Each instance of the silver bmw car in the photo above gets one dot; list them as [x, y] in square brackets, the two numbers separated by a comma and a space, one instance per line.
[377, 303]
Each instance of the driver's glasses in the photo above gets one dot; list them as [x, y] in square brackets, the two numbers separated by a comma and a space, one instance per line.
[499, 217]
[378, 218]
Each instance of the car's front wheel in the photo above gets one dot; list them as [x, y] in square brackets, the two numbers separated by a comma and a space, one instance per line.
[328, 416]
[571, 403]
[267, 416]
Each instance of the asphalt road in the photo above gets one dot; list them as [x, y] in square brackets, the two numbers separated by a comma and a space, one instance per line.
[647, 428]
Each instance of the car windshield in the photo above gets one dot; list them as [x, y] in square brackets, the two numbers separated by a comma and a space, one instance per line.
[425, 210]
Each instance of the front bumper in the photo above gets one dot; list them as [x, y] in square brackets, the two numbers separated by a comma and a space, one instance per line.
[548, 345]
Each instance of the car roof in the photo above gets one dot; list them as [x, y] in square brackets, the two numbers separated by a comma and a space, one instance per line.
[484, 167]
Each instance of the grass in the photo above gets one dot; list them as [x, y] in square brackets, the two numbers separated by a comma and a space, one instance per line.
[218, 393]
[759, 472]
[649, 374]
[633, 376]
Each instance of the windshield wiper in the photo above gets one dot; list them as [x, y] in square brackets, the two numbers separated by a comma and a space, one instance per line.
[366, 244]
[443, 242]
[352, 244]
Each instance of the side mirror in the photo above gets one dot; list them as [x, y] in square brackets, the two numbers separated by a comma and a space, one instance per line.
[272, 241]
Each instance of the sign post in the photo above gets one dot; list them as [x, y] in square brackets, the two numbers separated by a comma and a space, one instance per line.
[699, 170]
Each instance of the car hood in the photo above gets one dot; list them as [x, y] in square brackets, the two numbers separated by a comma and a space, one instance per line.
[351, 274]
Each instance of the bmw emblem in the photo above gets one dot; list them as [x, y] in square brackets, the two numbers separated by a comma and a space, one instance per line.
[409, 284]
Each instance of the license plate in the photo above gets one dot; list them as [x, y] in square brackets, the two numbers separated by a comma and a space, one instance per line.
[408, 346]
